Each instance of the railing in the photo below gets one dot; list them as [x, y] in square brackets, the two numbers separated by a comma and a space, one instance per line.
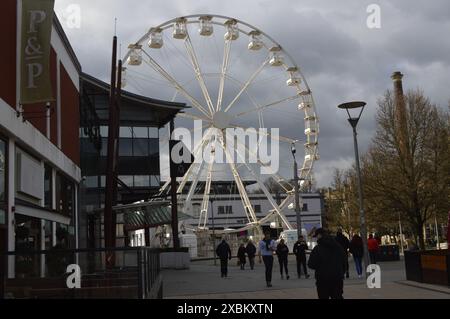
[103, 273]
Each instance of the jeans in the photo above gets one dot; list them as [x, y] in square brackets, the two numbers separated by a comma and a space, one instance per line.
[301, 262]
[283, 264]
[358, 264]
[268, 263]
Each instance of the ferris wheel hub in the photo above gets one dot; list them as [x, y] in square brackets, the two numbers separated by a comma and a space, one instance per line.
[221, 120]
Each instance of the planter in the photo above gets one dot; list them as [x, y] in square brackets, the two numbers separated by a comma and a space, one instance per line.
[431, 266]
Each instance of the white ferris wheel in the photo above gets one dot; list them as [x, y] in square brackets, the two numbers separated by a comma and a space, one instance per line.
[232, 75]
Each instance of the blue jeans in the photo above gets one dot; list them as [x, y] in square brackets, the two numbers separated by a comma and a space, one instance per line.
[358, 261]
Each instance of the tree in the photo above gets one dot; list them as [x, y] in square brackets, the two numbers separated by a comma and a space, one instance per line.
[413, 180]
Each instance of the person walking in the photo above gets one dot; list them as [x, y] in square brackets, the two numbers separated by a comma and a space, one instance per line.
[282, 254]
[251, 252]
[266, 249]
[241, 256]
[327, 259]
[345, 244]
[357, 251]
[372, 246]
[224, 252]
[299, 251]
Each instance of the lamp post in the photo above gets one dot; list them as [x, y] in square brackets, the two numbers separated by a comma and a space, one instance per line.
[362, 215]
[213, 230]
[297, 195]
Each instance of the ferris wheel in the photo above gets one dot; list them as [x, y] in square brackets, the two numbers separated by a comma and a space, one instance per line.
[231, 75]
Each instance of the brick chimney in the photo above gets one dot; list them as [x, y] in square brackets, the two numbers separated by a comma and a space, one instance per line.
[400, 113]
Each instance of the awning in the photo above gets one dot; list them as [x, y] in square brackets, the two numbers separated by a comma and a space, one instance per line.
[147, 214]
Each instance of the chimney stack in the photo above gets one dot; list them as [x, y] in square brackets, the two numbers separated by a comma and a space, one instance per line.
[398, 85]
[400, 112]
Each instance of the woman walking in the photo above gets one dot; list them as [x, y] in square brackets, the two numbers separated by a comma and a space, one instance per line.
[357, 251]
[282, 253]
[241, 256]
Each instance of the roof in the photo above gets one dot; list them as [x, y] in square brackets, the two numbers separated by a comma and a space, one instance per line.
[134, 108]
[147, 214]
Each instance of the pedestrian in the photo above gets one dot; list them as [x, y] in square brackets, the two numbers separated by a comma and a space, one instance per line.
[372, 246]
[327, 259]
[224, 252]
[299, 251]
[345, 243]
[266, 249]
[282, 254]
[251, 252]
[241, 256]
[357, 251]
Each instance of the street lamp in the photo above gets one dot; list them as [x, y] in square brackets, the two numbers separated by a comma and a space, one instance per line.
[362, 215]
[297, 195]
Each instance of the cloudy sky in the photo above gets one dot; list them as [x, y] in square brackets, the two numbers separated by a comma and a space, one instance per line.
[341, 57]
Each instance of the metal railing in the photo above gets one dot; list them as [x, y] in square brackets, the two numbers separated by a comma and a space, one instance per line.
[132, 272]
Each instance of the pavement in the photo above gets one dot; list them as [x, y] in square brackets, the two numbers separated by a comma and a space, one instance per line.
[203, 281]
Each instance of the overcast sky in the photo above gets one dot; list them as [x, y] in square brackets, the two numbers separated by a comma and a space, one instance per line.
[341, 57]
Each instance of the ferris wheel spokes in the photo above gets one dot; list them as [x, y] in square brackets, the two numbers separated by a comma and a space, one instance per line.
[247, 84]
[158, 68]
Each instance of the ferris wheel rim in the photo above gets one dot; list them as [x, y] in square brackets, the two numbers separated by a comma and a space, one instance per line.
[306, 171]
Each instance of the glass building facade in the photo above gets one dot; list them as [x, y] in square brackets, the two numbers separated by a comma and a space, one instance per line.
[138, 170]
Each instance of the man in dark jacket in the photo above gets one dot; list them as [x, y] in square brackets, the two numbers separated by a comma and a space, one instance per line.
[327, 259]
[251, 253]
[224, 252]
[299, 251]
[345, 244]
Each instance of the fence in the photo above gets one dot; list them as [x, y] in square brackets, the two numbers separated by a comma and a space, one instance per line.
[104, 273]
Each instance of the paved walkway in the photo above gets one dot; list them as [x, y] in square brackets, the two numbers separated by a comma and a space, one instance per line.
[203, 281]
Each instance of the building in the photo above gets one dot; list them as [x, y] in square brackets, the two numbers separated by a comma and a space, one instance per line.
[39, 147]
[138, 158]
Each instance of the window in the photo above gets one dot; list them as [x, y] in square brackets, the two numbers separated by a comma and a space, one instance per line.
[140, 132]
[91, 181]
[126, 132]
[257, 209]
[225, 210]
[127, 180]
[196, 210]
[48, 187]
[125, 147]
[141, 181]
[154, 180]
[104, 131]
[305, 207]
[65, 192]
[153, 132]
[140, 147]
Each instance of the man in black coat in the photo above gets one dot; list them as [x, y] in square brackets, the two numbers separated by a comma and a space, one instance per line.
[345, 244]
[224, 252]
[299, 251]
[327, 259]
[251, 253]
